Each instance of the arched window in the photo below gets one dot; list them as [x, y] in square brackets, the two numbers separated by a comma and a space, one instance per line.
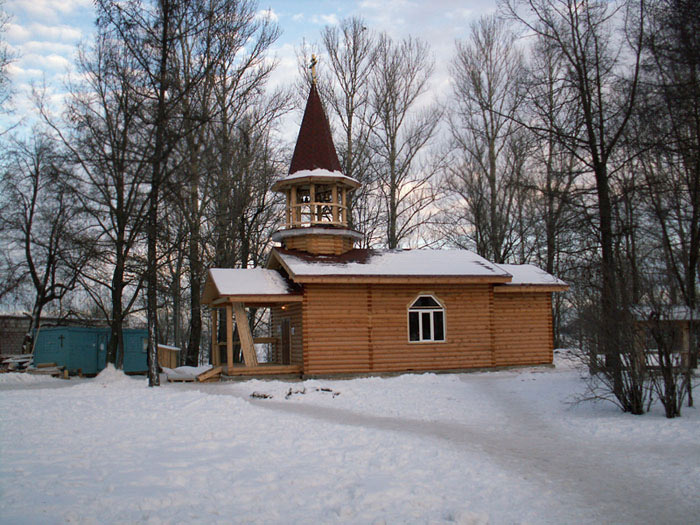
[426, 320]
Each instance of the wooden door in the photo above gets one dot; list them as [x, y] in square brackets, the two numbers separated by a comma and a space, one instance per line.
[286, 340]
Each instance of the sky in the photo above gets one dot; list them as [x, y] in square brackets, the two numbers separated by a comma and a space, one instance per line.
[44, 34]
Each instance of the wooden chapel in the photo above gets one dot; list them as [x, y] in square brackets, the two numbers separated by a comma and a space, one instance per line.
[337, 309]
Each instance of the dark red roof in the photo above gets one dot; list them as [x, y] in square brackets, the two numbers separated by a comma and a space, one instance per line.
[356, 255]
[314, 147]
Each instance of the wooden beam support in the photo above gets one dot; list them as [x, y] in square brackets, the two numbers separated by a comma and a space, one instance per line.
[294, 207]
[229, 337]
[207, 375]
[215, 353]
[288, 210]
[334, 198]
[244, 334]
[256, 300]
[312, 201]
[344, 209]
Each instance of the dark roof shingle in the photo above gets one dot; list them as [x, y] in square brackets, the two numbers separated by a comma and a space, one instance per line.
[314, 148]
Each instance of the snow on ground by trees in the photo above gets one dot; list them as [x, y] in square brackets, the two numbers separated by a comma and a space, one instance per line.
[498, 447]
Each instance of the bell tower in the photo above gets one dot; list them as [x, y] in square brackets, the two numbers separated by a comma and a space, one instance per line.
[316, 191]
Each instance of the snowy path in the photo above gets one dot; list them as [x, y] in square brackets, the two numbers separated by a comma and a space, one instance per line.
[498, 448]
[604, 477]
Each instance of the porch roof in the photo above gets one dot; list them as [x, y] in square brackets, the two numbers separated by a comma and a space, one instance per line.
[248, 285]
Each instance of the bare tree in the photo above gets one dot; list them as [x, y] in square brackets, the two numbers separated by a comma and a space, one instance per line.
[400, 135]
[102, 130]
[6, 58]
[669, 132]
[555, 167]
[603, 84]
[243, 202]
[554, 171]
[350, 48]
[225, 98]
[662, 341]
[489, 145]
[153, 34]
[41, 220]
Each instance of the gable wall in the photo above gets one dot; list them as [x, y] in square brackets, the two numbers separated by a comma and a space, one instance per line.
[523, 328]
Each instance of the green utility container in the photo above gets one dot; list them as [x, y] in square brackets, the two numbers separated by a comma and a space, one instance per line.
[135, 348]
[84, 349]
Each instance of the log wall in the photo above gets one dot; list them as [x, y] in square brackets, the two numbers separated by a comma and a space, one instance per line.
[364, 328]
[523, 329]
[319, 244]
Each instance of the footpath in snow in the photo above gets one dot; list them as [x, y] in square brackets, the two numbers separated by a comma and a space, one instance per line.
[499, 447]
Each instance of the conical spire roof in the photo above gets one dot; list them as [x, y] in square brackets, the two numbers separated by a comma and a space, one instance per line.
[314, 148]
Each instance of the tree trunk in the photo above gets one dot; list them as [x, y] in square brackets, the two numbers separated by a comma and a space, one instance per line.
[609, 310]
[28, 342]
[192, 355]
[154, 196]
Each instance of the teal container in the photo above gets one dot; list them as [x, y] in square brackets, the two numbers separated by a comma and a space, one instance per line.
[135, 347]
[84, 349]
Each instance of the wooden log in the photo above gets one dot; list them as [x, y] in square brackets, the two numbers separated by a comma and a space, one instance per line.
[216, 353]
[264, 369]
[207, 375]
[265, 340]
[229, 336]
[46, 371]
[247, 346]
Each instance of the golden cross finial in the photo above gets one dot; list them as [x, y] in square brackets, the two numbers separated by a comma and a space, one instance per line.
[313, 68]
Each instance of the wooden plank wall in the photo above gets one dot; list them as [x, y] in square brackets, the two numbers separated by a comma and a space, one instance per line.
[363, 328]
[293, 313]
[336, 329]
[523, 328]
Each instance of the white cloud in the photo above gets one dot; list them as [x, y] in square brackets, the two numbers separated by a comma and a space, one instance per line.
[286, 70]
[298, 17]
[330, 20]
[16, 71]
[38, 32]
[49, 47]
[16, 32]
[47, 9]
[459, 13]
[60, 33]
[269, 14]
[48, 63]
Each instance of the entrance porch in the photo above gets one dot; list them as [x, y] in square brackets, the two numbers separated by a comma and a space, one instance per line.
[229, 293]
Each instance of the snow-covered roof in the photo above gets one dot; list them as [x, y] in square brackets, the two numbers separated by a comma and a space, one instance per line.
[529, 275]
[244, 282]
[317, 175]
[169, 347]
[391, 263]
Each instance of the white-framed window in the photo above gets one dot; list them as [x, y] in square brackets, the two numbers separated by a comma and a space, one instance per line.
[426, 320]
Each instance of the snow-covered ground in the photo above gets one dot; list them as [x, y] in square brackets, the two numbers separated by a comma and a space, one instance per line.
[499, 447]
